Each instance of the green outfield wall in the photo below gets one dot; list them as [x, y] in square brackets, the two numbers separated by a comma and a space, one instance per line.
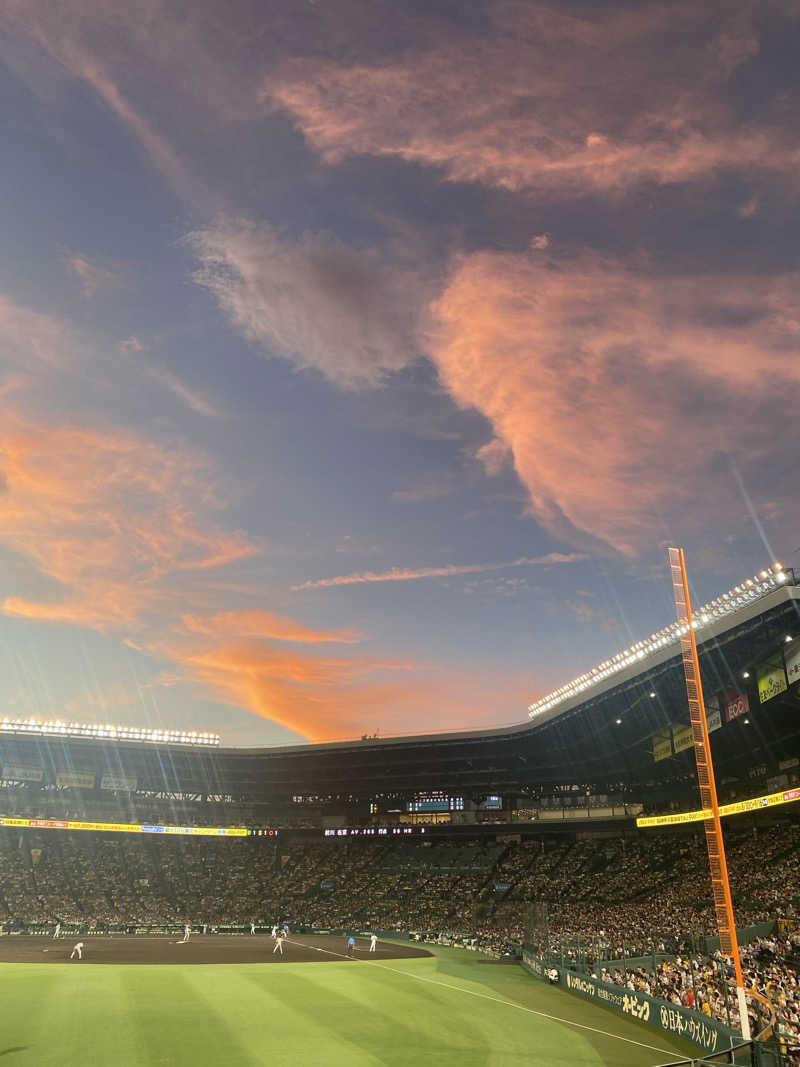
[708, 1034]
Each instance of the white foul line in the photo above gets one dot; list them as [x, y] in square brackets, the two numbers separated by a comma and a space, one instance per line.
[497, 1000]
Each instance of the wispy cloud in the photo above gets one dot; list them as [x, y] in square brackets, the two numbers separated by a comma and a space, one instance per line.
[82, 63]
[586, 613]
[428, 489]
[317, 302]
[264, 624]
[91, 274]
[192, 398]
[108, 518]
[398, 574]
[33, 340]
[135, 348]
[551, 102]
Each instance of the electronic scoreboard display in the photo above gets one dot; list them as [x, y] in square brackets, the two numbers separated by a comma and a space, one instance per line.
[373, 831]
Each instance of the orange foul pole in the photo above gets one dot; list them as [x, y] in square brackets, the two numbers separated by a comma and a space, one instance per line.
[705, 777]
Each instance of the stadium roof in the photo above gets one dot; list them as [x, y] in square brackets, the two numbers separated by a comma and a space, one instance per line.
[601, 736]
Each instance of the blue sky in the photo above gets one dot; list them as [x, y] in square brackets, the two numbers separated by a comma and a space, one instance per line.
[358, 361]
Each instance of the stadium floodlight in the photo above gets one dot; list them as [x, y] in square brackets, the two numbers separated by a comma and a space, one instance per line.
[107, 731]
[729, 603]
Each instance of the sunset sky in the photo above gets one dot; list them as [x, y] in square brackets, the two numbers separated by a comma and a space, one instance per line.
[360, 358]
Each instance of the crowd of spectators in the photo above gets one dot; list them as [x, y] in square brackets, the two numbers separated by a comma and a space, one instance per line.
[593, 902]
[705, 983]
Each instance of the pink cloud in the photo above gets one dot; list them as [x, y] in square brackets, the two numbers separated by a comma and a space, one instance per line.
[549, 102]
[590, 371]
[399, 574]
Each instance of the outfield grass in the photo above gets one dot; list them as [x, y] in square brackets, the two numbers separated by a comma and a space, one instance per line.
[446, 1010]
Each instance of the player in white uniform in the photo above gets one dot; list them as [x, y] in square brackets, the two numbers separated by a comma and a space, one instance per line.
[187, 932]
[279, 943]
[78, 950]
[275, 931]
[252, 928]
[57, 932]
[373, 941]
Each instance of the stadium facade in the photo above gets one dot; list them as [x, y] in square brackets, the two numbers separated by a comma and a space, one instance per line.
[598, 751]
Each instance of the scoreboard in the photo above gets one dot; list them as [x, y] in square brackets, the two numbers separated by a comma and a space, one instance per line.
[374, 831]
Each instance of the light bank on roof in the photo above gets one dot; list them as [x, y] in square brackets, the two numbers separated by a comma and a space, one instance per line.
[753, 597]
[108, 731]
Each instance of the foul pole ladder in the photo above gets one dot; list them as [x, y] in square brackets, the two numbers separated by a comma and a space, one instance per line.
[723, 904]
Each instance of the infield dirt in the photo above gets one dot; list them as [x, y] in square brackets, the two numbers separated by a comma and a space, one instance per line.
[208, 949]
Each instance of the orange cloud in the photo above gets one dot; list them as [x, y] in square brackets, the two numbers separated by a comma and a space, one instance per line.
[110, 519]
[100, 607]
[264, 624]
[323, 698]
[547, 101]
[615, 388]
[398, 574]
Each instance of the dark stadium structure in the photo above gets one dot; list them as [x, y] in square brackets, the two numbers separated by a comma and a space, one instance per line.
[596, 744]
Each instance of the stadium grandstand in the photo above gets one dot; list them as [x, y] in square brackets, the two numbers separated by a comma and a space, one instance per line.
[567, 839]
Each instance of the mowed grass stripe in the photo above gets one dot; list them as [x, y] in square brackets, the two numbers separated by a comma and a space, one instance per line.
[179, 1027]
[275, 1021]
[356, 1010]
[63, 1014]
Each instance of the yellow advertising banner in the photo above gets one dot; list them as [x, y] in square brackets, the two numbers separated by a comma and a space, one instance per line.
[645, 821]
[662, 746]
[771, 681]
[786, 796]
[682, 737]
[126, 827]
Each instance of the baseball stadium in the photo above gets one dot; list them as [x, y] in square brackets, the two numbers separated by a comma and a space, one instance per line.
[532, 895]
